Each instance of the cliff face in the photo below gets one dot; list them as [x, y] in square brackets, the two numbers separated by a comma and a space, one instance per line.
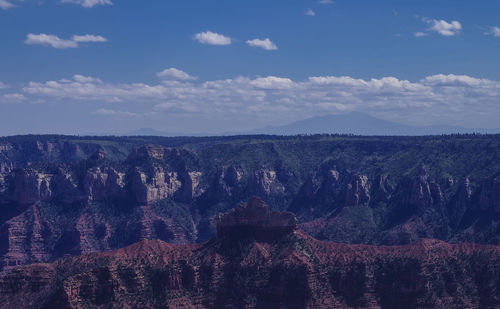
[286, 270]
[67, 195]
[255, 219]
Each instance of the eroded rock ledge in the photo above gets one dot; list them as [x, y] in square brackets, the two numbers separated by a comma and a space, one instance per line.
[255, 219]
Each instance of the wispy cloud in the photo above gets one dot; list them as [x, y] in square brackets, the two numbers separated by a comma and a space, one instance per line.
[212, 38]
[310, 12]
[494, 31]
[3, 86]
[325, 1]
[112, 112]
[266, 44]
[56, 42]
[175, 74]
[421, 34]
[88, 3]
[5, 5]
[441, 27]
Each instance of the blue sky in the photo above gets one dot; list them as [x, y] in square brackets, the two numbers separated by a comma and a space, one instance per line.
[111, 66]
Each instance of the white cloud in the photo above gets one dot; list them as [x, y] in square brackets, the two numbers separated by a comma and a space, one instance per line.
[325, 1]
[56, 42]
[264, 44]
[5, 5]
[49, 40]
[12, 98]
[272, 82]
[434, 96]
[442, 27]
[175, 74]
[212, 38]
[494, 31]
[88, 3]
[3, 86]
[89, 38]
[84, 79]
[420, 34]
[310, 12]
[455, 80]
[112, 112]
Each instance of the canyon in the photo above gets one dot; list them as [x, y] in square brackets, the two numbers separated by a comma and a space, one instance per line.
[63, 196]
[260, 259]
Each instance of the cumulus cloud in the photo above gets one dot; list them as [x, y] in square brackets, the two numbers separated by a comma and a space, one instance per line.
[437, 96]
[441, 26]
[494, 31]
[56, 42]
[49, 40]
[212, 38]
[310, 12]
[456, 80]
[89, 38]
[88, 3]
[272, 82]
[12, 98]
[175, 74]
[264, 44]
[5, 5]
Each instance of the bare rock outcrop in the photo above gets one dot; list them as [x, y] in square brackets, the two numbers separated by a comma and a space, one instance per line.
[31, 186]
[264, 182]
[425, 192]
[156, 185]
[191, 185]
[227, 180]
[256, 219]
[358, 191]
[101, 183]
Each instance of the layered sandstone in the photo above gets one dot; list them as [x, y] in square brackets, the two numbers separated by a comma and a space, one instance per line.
[290, 270]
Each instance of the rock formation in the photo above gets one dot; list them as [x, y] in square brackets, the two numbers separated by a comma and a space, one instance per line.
[257, 220]
[290, 270]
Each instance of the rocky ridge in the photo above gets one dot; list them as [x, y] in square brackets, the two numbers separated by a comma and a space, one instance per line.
[286, 270]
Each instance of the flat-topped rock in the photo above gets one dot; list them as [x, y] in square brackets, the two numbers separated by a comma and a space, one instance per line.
[255, 218]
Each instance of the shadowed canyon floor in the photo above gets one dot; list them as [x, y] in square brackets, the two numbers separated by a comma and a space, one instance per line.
[260, 259]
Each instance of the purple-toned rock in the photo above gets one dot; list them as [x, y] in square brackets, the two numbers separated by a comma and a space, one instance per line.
[101, 183]
[256, 218]
[150, 187]
[265, 183]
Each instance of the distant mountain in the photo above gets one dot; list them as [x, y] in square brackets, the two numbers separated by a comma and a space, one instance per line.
[351, 123]
[361, 124]
[153, 132]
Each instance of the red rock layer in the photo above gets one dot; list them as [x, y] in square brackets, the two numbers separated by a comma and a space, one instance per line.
[287, 270]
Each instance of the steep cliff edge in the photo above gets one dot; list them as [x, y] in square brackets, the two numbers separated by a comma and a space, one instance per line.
[283, 270]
